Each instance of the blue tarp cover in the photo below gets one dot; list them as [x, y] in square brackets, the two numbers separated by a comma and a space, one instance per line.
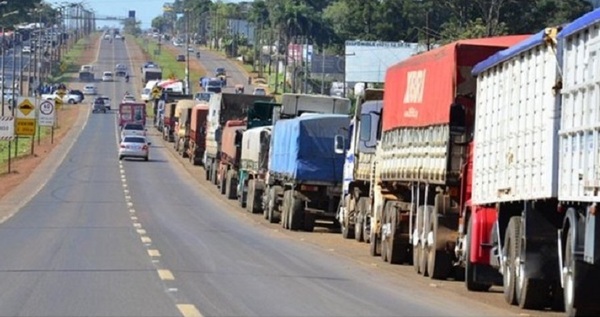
[506, 54]
[581, 23]
[303, 148]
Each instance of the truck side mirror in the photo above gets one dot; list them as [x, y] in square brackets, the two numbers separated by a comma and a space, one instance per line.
[339, 144]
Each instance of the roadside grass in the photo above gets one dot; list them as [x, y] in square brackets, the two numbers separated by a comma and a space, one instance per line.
[69, 62]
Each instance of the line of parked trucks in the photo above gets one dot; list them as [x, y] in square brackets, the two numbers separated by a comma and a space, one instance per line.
[478, 161]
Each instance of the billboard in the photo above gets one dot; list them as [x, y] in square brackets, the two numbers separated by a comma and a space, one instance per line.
[367, 61]
[328, 64]
[298, 53]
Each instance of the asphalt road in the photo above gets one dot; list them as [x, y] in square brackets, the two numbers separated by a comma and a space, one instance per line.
[211, 60]
[134, 238]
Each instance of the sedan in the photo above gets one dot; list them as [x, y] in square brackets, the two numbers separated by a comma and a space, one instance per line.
[134, 146]
[133, 129]
[181, 58]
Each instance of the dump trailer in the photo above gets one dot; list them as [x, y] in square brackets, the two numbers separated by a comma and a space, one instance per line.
[197, 134]
[535, 171]
[229, 160]
[358, 165]
[304, 182]
[261, 114]
[168, 102]
[183, 116]
[222, 108]
[420, 159]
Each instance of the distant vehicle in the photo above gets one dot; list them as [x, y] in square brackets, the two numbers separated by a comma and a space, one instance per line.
[86, 68]
[120, 67]
[337, 89]
[181, 58]
[133, 129]
[118, 36]
[90, 89]
[99, 106]
[145, 95]
[107, 76]
[260, 91]
[121, 73]
[107, 36]
[190, 49]
[134, 146]
[78, 93]
[213, 85]
[26, 50]
[177, 43]
[106, 100]
[220, 71]
[202, 96]
[128, 98]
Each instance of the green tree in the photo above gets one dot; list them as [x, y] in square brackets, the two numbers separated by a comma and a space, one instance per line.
[160, 23]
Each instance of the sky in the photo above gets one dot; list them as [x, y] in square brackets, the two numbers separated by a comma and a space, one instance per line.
[145, 10]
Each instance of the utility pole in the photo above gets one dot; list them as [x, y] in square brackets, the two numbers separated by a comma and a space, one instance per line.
[3, 67]
[187, 51]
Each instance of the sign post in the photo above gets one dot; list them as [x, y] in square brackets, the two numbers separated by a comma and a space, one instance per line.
[47, 116]
[7, 133]
[25, 124]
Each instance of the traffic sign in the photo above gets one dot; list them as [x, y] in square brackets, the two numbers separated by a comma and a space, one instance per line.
[26, 109]
[61, 93]
[47, 114]
[156, 92]
[25, 127]
[7, 128]
[58, 102]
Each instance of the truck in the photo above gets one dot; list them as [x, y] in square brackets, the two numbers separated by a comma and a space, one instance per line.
[197, 133]
[254, 155]
[132, 112]
[222, 108]
[151, 73]
[182, 118]
[356, 186]
[256, 141]
[420, 165]
[535, 172]
[304, 181]
[229, 160]
[165, 109]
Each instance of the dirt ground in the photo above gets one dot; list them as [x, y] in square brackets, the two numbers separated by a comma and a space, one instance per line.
[22, 167]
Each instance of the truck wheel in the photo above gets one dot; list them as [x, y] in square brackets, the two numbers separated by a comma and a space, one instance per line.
[359, 219]
[417, 246]
[470, 282]
[296, 213]
[511, 253]
[439, 261]
[222, 182]
[309, 222]
[207, 172]
[374, 236]
[347, 229]
[366, 229]
[397, 252]
[250, 196]
[272, 204]
[265, 203]
[213, 173]
[231, 188]
[285, 210]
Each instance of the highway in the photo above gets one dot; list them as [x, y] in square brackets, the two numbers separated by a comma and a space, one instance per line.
[134, 238]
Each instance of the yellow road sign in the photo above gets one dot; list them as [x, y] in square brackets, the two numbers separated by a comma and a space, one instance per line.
[61, 92]
[26, 107]
[24, 127]
[156, 92]
[58, 102]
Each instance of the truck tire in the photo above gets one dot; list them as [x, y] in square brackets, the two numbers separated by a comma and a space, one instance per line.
[272, 204]
[470, 282]
[296, 212]
[231, 186]
[347, 229]
[213, 172]
[417, 243]
[511, 251]
[374, 236]
[531, 293]
[207, 172]
[250, 196]
[285, 206]
[359, 218]
[392, 250]
[222, 182]
[439, 261]
[309, 222]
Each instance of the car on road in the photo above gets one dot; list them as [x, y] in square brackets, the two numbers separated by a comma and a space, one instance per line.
[107, 36]
[220, 71]
[107, 76]
[190, 49]
[134, 146]
[106, 100]
[260, 91]
[181, 58]
[26, 50]
[78, 93]
[133, 129]
[128, 98]
[90, 89]
[99, 106]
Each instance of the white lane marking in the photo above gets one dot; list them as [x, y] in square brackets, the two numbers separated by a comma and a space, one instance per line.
[129, 204]
[165, 275]
[155, 261]
[141, 231]
[137, 225]
[132, 210]
[127, 197]
[153, 253]
[146, 239]
[172, 290]
[126, 191]
[189, 310]
[134, 218]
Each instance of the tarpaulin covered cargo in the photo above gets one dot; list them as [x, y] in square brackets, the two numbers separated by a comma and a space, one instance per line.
[302, 149]
[420, 90]
[255, 148]
[233, 129]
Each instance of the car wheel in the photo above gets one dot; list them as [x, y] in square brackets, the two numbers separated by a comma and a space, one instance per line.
[146, 159]
[71, 101]
[120, 157]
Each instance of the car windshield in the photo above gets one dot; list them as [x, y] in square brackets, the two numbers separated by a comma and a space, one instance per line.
[131, 139]
[133, 126]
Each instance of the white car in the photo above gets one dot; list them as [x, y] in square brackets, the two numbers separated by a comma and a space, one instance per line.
[90, 89]
[107, 76]
[86, 68]
[26, 50]
[145, 95]
[134, 146]
[260, 91]
[128, 98]
[133, 129]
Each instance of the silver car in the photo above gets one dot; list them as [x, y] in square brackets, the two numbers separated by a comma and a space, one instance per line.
[134, 146]
[133, 129]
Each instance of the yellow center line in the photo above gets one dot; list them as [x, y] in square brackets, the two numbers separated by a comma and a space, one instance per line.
[165, 275]
[188, 310]
[152, 252]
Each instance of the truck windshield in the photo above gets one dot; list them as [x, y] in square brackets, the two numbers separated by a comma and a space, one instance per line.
[365, 127]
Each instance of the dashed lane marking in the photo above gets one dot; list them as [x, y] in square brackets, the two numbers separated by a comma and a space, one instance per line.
[134, 218]
[146, 239]
[141, 231]
[165, 275]
[131, 210]
[188, 310]
[153, 253]
[137, 225]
